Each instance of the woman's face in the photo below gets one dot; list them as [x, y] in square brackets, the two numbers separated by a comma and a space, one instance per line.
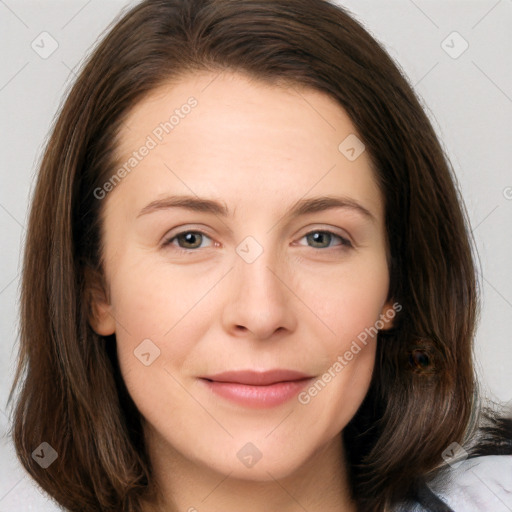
[247, 277]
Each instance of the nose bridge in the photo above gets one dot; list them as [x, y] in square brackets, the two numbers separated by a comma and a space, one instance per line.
[260, 301]
[256, 265]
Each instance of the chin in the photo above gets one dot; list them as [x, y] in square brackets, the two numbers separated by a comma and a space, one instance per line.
[257, 461]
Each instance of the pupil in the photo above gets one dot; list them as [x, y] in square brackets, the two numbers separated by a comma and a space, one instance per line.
[317, 237]
[189, 238]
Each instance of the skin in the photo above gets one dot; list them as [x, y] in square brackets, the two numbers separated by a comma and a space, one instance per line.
[257, 148]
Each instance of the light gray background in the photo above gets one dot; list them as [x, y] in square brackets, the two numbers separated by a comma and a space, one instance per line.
[468, 98]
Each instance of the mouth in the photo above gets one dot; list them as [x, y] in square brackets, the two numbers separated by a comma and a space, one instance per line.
[257, 389]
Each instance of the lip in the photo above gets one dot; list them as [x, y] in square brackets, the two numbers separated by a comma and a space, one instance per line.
[257, 389]
[258, 378]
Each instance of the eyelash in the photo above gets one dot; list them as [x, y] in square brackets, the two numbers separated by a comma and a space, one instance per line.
[344, 245]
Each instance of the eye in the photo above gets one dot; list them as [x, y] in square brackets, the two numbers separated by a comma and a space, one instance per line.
[187, 240]
[320, 238]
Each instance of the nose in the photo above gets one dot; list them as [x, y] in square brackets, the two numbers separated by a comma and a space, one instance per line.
[260, 299]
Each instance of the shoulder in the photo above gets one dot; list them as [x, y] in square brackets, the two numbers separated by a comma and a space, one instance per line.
[476, 484]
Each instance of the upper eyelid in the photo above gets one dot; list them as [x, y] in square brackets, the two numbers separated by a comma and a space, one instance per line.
[204, 230]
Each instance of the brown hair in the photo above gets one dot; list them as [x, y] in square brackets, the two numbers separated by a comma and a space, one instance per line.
[73, 397]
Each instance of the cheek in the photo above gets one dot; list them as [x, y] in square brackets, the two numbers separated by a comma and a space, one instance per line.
[345, 298]
[149, 306]
[350, 304]
[348, 355]
[149, 297]
[154, 337]
[337, 394]
[345, 304]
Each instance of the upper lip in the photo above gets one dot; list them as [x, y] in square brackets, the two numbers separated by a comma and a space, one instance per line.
[258, 378]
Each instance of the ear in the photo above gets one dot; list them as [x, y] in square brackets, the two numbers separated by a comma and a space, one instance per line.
[389, 311]
[99, 309]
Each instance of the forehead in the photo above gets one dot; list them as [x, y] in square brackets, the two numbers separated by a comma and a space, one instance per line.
[230, 136]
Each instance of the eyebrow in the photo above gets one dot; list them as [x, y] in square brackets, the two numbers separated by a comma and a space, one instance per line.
[301, 207]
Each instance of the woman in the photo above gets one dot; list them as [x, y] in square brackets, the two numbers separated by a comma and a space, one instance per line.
[255, 372]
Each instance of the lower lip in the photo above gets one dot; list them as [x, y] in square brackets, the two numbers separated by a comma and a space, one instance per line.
[259, 397]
